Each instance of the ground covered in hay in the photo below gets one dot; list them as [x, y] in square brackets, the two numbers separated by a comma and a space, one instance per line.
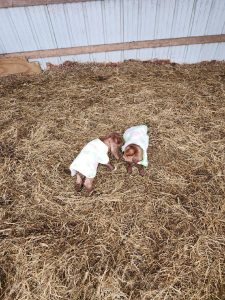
[157, 237]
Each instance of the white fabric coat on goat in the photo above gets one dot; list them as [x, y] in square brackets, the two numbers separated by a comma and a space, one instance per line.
[86, 163]
[137, 135]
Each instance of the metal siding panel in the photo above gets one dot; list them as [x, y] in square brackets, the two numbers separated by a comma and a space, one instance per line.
[216, 18]
[180, 26]
[214, 25]
[176, 53]
[160, 53]
[130, 20]
[130, 54]
[2, 47]
[112, 22]
[131, 14]
[147, 16]
[164, 19]
[59, 25]
[94, 22]
[181, 18]
[122, 25]
[66, 58]
[223, 30]
[198, 27]
[76, 24]
[113, 28]
[147, 19]
[99, 57]
[41, 26]
[82, 58]
[115, 56]
[201, 15]
[163, 24]
[23, 28]
[207, 52]
[190, 23]
[192, 54]
[220, 52]
[8, 33]
[145, 54]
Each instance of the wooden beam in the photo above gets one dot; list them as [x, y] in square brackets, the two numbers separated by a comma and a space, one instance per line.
[191, 40]
[18, 3]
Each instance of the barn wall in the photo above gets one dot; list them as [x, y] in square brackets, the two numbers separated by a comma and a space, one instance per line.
[115, 21]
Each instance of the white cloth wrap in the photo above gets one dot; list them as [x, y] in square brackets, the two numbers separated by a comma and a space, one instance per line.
[91, 155]
[137, 135]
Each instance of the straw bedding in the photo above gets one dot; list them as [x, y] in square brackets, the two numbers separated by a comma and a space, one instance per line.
[157, 237]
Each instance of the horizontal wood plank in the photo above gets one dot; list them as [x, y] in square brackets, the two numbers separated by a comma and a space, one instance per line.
[18, 3]
[119, 46]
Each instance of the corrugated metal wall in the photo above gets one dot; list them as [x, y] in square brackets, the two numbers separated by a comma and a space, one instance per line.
[111, 21]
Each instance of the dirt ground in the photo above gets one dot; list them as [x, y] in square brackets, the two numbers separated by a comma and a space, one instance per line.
[157, 237]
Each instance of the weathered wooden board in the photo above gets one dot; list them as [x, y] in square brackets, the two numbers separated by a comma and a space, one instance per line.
[17, 65]
[191, 40]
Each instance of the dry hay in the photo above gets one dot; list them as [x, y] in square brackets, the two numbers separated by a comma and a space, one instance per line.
[157, 237]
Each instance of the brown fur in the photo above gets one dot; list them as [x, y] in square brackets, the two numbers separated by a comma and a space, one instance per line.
[114, 142]
[132, 155]
[115, 137]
